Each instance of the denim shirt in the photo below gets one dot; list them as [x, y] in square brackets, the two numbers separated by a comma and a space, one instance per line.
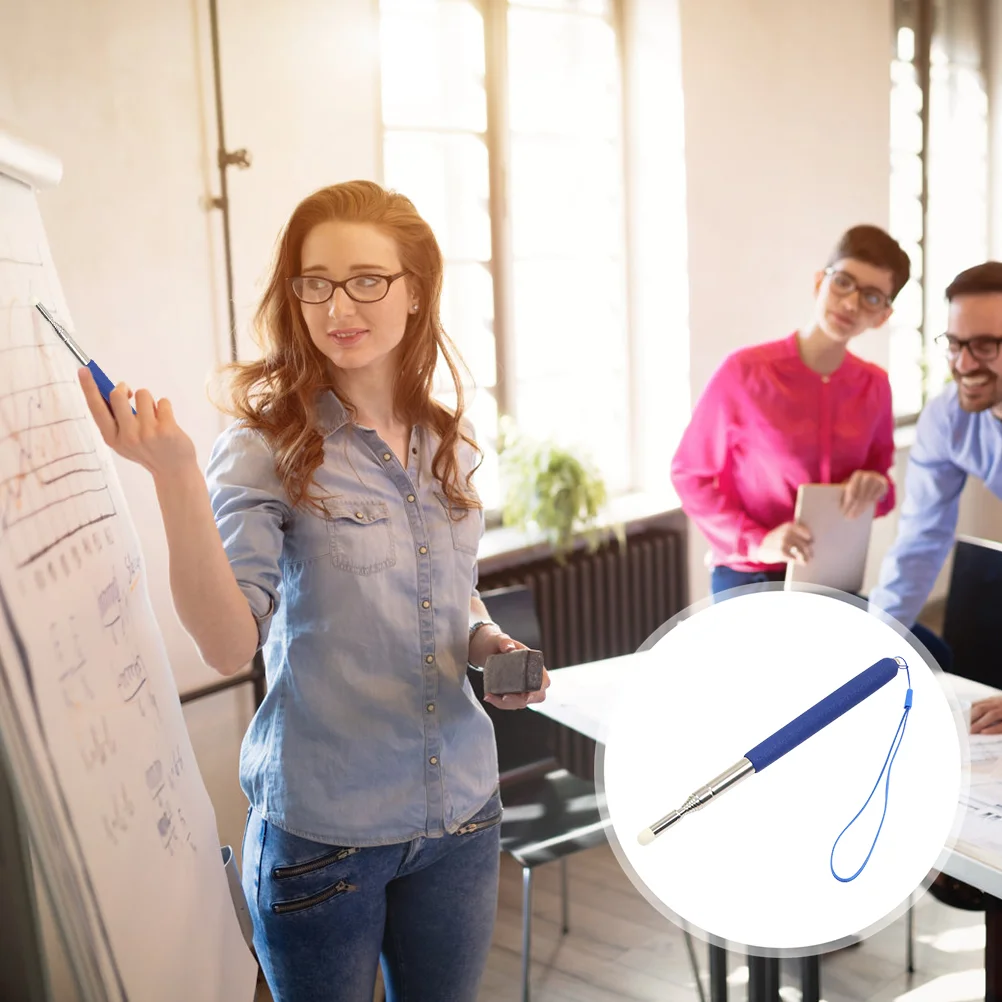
[370, 732]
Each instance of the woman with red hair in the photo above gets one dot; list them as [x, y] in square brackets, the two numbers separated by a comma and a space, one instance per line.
[339, 532]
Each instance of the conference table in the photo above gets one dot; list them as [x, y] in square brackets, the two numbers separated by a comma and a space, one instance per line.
[579, 698]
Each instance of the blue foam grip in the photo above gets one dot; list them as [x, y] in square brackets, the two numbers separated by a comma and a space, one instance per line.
[104, 384]
[822, 713]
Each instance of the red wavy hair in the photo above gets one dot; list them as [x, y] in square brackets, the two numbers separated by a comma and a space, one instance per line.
[277, 394]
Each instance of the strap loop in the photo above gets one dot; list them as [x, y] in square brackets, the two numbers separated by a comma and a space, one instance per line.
[892, 752]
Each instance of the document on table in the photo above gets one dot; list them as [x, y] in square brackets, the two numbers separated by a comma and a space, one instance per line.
[982, 827]
[986, 749]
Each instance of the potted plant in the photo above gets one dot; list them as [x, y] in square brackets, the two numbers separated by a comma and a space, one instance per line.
[553, 489]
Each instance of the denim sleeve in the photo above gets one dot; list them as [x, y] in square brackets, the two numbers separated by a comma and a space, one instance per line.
[251, 510]
[928, 520]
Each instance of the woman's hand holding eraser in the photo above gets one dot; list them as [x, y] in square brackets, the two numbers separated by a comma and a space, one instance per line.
[513, 671]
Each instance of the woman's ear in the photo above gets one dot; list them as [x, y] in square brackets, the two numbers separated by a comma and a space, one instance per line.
[819, 277]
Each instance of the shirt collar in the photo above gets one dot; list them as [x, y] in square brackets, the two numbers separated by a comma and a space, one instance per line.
[849, 363]
[331, 415]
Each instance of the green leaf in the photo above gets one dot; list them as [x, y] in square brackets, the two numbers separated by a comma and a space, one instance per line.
[551, 488]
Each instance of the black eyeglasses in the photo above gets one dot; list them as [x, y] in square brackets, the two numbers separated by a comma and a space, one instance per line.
[872, 300]
[983, 347]
[313, 289]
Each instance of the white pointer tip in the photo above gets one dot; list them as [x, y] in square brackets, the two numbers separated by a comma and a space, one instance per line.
[646, 837]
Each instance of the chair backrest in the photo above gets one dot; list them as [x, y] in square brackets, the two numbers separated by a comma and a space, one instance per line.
[524, 737]
[971, 623]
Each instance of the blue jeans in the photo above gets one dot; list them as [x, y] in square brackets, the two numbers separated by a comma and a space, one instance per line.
[723, 578]
[325, 916]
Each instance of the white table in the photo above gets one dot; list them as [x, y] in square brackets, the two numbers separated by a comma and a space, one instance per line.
[579, 697]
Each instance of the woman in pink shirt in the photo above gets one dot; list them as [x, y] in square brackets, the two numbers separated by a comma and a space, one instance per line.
[799, 410]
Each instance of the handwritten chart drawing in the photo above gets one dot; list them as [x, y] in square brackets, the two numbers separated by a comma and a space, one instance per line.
[123, 828]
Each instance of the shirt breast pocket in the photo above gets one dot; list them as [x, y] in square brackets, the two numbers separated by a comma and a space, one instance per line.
[307, 537]
[464, 524]
[361, 537]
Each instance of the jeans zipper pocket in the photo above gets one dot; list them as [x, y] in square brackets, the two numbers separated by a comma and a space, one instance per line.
[279, 872]
[341, 887]
[476, 826]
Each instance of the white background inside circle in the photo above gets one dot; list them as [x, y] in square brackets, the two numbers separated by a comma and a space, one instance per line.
[752, 867]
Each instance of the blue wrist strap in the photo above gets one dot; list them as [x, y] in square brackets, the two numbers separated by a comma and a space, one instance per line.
[888, 763]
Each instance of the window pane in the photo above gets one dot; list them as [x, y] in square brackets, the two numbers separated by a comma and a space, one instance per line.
[566, 197]
[481, 410]
[432, 54]
[906, 218]
[905, 370]
[563, 72]
[587, 412]
[569, 319]
[446, 176]
[571, 347]
[908, 306]
[602, 7]
[468, 318]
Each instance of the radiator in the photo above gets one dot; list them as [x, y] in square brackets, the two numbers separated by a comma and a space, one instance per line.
[600, 605]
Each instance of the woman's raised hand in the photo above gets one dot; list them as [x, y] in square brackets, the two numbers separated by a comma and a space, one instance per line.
[862, 489]
[150, 437]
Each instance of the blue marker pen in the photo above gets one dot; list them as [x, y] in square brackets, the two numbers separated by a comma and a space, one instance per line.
[104, 384]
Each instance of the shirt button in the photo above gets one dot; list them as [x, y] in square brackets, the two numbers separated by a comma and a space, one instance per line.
[410, 498]
[824, 379]
[430, 658]
[422, 549]
[431, 707]
[434, 760]
[426, 604]
[358, 514]
[387, 456]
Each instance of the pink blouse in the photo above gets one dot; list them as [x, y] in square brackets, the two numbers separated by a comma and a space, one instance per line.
[764, 425]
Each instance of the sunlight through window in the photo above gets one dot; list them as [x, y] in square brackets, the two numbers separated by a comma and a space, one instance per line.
[503, 123]
[939, 192]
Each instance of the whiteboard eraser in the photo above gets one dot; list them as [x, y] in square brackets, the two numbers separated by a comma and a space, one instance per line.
[514, 671]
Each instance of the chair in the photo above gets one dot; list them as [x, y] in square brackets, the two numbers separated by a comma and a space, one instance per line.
[970, 632]
[548, 812]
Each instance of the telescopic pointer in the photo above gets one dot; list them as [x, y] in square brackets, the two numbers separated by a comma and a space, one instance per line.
[797, 731]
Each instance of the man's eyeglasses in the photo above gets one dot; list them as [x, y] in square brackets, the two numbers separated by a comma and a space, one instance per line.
[872, 300]
[983, 347]
[313, 289]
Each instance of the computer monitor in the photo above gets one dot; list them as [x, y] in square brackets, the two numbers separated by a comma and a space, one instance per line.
[973, 622]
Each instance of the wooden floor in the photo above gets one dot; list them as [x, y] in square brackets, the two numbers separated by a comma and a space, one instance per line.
[620, 949]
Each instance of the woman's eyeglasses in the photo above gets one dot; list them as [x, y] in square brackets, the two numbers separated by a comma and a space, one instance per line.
[872, 300]
[983, 347]
[314, 290]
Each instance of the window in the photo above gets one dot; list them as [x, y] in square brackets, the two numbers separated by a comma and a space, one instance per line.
[503, 123]
[939, 177]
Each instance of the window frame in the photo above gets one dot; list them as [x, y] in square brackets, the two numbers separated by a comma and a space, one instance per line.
[497, 139]
[924, 27]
